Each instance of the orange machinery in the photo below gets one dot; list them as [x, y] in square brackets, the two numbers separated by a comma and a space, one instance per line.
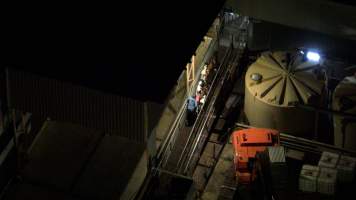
[247, 143]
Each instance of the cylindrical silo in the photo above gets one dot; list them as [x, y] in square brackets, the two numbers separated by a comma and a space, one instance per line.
[275, 84]
[344, 100]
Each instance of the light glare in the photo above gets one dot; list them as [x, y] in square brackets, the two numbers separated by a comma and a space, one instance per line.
[313, 56]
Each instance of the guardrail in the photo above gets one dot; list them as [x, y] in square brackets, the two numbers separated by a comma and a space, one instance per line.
[189, 158]
[202, 113]
[195, 153]
[163, 151]
[204, 128]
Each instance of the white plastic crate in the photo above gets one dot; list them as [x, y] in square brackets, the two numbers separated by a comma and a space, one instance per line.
[328, 160]
[346, 169]
[308, 178]
[327, 181]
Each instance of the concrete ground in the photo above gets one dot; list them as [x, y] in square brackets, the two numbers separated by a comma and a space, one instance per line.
[218, 176]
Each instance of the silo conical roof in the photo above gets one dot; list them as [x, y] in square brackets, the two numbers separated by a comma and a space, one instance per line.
[284, 79]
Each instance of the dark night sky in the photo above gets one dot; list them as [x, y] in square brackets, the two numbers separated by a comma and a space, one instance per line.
[135, 48]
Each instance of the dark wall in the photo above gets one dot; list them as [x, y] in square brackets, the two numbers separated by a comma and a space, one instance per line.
[265, 35]
[133, 48]
[3, 100]
[70, 103]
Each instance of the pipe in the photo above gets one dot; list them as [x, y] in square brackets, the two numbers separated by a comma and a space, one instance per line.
[293, 140]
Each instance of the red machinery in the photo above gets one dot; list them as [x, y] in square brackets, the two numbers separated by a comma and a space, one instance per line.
[247, 143]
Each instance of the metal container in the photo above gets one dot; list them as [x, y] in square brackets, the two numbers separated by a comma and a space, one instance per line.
[275, 83]
[346, 169]
[327, 181]
[276, 154]
[308, 178]
[344, 100]
[278, 167]
[328, 160]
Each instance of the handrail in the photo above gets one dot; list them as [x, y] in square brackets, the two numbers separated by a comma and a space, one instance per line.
[211, 106]
[203, 123]
[161, 152]
[164, 147]
[197, 138]
[177, 121]
[201, 111]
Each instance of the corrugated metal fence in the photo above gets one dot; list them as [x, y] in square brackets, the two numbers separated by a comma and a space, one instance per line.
[67, 102]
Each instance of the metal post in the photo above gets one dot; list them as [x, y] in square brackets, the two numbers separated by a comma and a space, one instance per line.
[145, 122]
[145, 119]
[1, 120]
[193, 69]
[316, 125]
[8, 93]
[188, 77]
[214, 157]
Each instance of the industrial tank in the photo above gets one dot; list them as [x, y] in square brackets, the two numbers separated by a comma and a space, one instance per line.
[344, 100]
[275, 84]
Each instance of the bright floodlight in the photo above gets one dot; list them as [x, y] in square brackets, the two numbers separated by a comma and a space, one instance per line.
[313, 56]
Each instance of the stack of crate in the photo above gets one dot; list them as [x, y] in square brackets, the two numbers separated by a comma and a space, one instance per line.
[327, 181]
[346, 169]
[328, 174]
[308, 178]
[339, 168]
[332, 168]
[328, 160]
